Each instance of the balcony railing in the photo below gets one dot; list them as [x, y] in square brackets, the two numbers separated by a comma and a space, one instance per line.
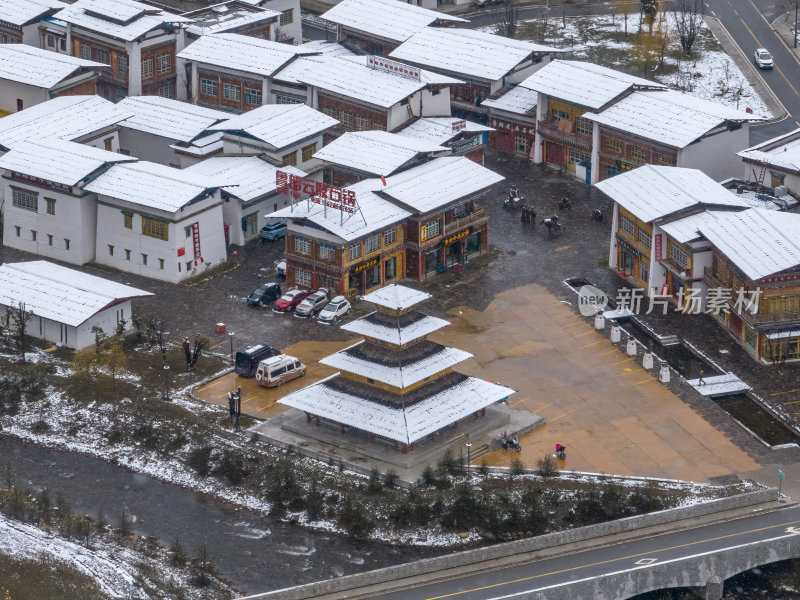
[477, 215]
[549, 129]
[759, 319]
[469, 106]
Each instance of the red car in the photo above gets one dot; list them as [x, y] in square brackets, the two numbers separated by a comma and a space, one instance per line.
[289, 300]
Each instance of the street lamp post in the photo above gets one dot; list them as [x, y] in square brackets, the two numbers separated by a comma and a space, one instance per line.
[795, 23]
[469, 456]
[230, 339]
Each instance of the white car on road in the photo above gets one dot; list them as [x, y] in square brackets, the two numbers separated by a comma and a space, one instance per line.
[338, 307]
[763, 59]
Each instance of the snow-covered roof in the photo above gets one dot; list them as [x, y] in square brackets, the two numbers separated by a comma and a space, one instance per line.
[375, 152]
[687, 229]
[439, 182]
[122, 19]
[467, 51]
[397, 374]
[323, 47]
[241, 52]
[374, 214]
[393, 334]
[439, 130]
[21, 12]
[168, 118]
[246, 177]
[59, 161]
[584, 83]
[782, 152]
[205, 145]
[350, 77]
[152, 185]
[279, 125]
[406, 425]
[388, 19]
[58, 293]
[517, 100]
[225, 16]
[652, 192]
[64, 117]
[759, 242]
[668, 116]
[37, 67]
[396, 297]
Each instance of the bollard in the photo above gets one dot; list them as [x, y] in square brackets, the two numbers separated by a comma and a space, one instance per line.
[616, 333]
[647, 360]
[599, 321]
[663, 374]
[631, 349]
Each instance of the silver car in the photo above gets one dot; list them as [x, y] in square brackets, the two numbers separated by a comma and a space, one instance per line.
[312, 304]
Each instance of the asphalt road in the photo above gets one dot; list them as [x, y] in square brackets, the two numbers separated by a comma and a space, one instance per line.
[592, 563]
[751, 30]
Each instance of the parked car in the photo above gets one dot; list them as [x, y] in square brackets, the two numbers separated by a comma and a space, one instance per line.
[312, 304]
[247, 360]
[273, 230]
[289, 300]
[763, 59]
[277, 370]
[338, 307]
[280, 268]
[266, 294]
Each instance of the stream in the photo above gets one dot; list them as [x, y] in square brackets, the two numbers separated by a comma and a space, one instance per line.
[254, 553]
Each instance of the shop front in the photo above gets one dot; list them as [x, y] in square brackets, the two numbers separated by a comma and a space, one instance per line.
[627, 256]
[455, 248]
[374, 273]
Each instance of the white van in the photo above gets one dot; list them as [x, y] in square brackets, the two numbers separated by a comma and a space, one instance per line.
[277, 370]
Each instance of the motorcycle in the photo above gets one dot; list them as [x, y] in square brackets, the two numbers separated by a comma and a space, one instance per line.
[510, 443]
[561, 452]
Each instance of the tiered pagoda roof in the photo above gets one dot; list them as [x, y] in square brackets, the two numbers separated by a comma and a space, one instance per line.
[396, 384]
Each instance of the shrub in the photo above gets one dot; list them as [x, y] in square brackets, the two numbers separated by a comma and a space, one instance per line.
[315, 502]
[231, 466]
[547, 466]
[354, 519]
[199, 460]
[428, 476]
[516, 468]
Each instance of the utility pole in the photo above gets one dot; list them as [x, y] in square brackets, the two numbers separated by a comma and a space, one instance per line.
[795, 23]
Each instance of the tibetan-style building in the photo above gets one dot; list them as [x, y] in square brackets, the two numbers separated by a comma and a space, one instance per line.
[396, 386]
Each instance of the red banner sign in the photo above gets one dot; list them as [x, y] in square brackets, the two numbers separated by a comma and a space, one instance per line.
[459, 125]
[391, 66]
[320, 193]
[658, 247]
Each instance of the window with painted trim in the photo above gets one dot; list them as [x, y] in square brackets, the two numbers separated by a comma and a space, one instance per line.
[122, 64]
[583, 126]
[287, 17]
[638, 153]
[667, 160]
[208, 87]
[432, 229]
[302, 277]
[51, 205]
[66, 244]
[127, 254]
[164, 63]
[355, 251]
[147, 67]
[362, 123]
[678, 255]
[26, 200]
[613, 145]
[231, 92]
[252, 96]
[167, 90]
[302, 245]
[49, 239]
[645, 238]
[327, 253]
[373, 243]
[576, 156]
[127, 220]
[281, 99]
[308, 152]
[644, 272]
[346, 118]
[627, 225]
[155, 228]
[289, 160]
[86, 52]
[377, 126]
[101, 56]
[390, 237]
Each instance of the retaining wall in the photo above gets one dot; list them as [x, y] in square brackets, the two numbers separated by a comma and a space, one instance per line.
[469, 557]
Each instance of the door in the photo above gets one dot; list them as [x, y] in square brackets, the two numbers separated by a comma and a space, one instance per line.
[554, 153]
[250, 225]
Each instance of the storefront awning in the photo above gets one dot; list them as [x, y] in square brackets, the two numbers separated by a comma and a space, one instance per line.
[776, 335]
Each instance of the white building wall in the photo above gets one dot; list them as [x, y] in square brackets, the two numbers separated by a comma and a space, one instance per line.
[294, 29]
[147, 146]
[436, 105]
[30, 35]
[74, 220]
[525, 72]
[398, 114]
[715, 155]
[612, 250]
[208, 215]
[541, 112]
[97, 139]
[12, 91]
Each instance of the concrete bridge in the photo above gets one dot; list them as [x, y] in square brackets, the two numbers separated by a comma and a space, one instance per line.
[693, 547]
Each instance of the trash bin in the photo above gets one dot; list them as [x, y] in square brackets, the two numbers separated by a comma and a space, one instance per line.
[220, 327]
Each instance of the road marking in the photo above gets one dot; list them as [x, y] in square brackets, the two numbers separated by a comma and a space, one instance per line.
[520, 401]
[594, 343]
[605, 562]
[569, 412]
[541, 408]
[645, 380]
[573, 325]
[794, 530]
[561, 248]
[609, 352]
[777, 68]
[786, 392]
[217, 382]
[646, 561]
[267, 406]
[220, 344]
[248, 400]
[619, 362]
[792, 402]
[587, 333]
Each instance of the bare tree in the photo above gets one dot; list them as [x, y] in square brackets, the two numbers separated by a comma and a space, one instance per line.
[18, 319]
[508, 19]
[688, 16]
[624, 7]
